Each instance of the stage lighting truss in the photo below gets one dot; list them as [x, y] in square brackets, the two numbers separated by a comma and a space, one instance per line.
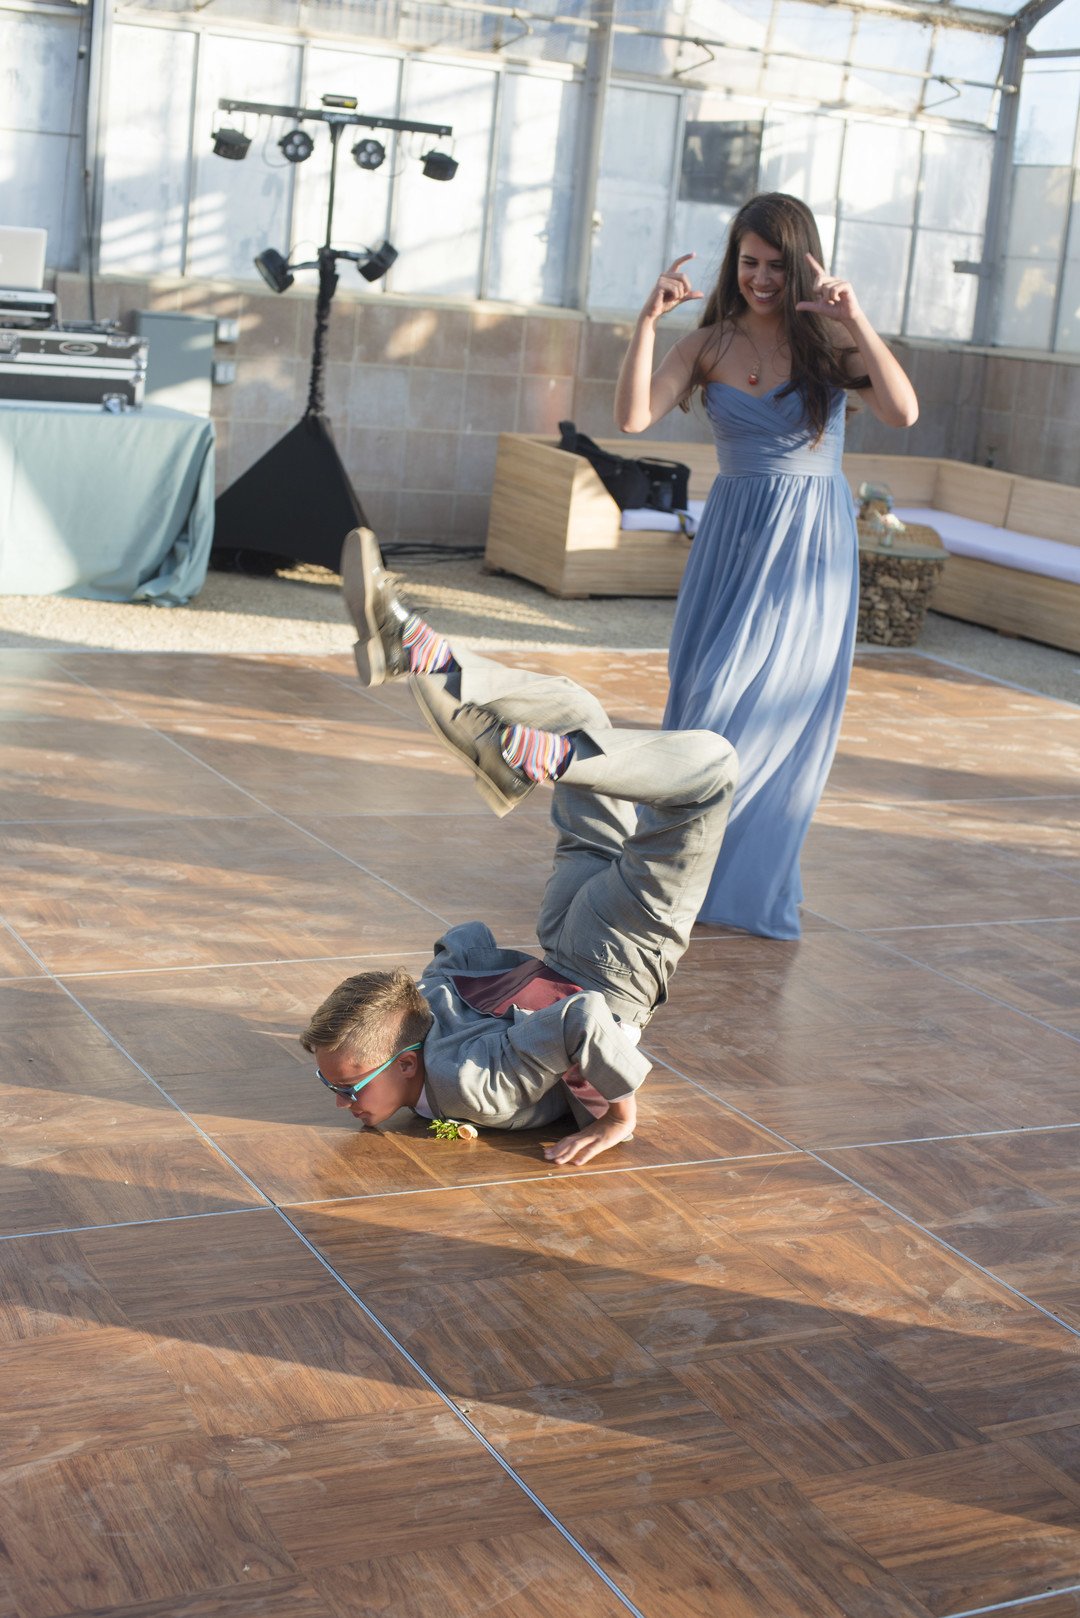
[369, 153]
[231, 143]
[297, 146]
[439, 165]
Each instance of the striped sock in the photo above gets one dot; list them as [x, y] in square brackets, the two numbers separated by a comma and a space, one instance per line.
[428, 652]
[540, 755]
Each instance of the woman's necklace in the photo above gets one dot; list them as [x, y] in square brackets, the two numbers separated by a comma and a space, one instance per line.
[753, 376]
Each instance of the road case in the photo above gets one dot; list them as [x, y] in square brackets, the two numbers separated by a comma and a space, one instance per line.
[69, 367]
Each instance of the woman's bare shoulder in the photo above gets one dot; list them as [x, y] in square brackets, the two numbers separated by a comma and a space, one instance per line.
[693, 343]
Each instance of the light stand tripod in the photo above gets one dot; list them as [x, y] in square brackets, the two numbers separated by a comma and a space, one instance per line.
[297, 502]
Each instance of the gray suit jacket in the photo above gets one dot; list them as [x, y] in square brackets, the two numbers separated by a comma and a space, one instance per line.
[506, 1071]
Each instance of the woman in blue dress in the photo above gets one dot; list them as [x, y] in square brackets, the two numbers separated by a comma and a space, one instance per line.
[765, 622]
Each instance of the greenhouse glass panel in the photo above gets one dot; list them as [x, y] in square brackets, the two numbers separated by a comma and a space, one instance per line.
[955, 181]
[874, 258]
[633, 196]
[38, 72]
[637, 53]
[147, 130]
[237, 209]
[808, 31]
[1039, 213]
[801, 154]
[1026, 311]
[881, 43]
[1003, 8]
[1068, 331]
[43, 106]
[1046, 127]
[701, 229]
[361, 197]
[942, 302]
[736, 22]
[737, 72]
[532, 217]
[718, 173]
[720, 158]
[960, 54]
[880, 172]
[438, 226]
[1059, 30]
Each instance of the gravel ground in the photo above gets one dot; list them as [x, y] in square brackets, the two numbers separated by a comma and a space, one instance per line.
[301, 612]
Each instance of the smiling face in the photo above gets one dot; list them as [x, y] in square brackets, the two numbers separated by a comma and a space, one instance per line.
[761, 276]
[398, 1085]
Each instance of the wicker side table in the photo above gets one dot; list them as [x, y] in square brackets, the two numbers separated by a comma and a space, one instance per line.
[896, 582]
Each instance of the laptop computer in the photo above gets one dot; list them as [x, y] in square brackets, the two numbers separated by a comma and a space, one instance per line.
[22, 258]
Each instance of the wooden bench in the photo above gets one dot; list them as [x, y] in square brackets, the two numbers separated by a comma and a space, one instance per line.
[553, 522]
[1012, 598]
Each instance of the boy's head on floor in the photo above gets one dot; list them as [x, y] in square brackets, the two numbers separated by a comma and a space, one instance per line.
[367, 1040]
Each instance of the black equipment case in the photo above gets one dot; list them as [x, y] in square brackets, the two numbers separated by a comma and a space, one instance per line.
[70, 367]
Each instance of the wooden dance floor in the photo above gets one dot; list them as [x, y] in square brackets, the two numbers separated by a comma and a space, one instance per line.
[808, 1348]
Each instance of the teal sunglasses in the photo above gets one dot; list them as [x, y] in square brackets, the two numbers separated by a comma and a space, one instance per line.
[353, 1090]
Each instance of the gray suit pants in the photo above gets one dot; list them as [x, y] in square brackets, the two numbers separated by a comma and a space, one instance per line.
[640, 815]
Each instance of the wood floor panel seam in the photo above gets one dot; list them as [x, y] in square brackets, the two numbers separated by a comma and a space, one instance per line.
[969, 1134]
[879, 938]
[1020, 1604]
[460, 1415]
[197, 1129]
[231, 966]
[546, 1177]
[932, 1235]
[974, 674]
[808, 1151]
[135, 1224]
[286, 820]
[981, 926]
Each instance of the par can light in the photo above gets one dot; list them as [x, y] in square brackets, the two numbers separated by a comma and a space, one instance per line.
[231, 143]
[274, 269]
[297, 145]
[439, 166]
[378, 261]
[369, 154]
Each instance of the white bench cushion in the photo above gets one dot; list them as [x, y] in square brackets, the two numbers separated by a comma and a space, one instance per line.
[664, 522]
[988, 543]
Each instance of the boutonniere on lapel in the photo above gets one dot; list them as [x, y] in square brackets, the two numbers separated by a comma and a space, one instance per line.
[450, 1129]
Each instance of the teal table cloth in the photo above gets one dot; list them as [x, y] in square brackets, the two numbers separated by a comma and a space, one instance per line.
[110, 508]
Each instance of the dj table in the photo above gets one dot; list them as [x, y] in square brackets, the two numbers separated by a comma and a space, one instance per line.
[108, 507]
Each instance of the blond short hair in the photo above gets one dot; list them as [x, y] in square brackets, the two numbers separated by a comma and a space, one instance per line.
[369, 1016]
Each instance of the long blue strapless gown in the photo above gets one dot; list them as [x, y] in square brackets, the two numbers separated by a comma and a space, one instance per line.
[763, 640]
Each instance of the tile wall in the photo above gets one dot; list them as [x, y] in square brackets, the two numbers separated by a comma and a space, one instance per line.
[418, 394]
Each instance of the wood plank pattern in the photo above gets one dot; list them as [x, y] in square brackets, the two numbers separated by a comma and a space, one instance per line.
[521, 1575]
[819, 1408]
[748, 1380]
[997, 1530]
[757, 1553]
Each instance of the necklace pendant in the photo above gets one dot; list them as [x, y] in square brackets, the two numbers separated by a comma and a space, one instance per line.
[753, 379]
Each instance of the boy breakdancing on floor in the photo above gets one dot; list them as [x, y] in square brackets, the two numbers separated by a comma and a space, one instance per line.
[495, 1037]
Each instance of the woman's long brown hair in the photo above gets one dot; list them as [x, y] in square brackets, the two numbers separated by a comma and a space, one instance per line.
[817, 360]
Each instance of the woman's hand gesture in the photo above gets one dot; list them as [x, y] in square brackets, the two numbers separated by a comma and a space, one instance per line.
[672, 288]
[833, 298]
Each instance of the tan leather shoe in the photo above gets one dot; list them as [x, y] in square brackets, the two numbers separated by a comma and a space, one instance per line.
[374, 608]
[473, 735]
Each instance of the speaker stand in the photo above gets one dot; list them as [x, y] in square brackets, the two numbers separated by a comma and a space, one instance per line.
[297, 502]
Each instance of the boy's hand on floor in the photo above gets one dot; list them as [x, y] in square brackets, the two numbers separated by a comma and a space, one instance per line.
[588, 1143]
